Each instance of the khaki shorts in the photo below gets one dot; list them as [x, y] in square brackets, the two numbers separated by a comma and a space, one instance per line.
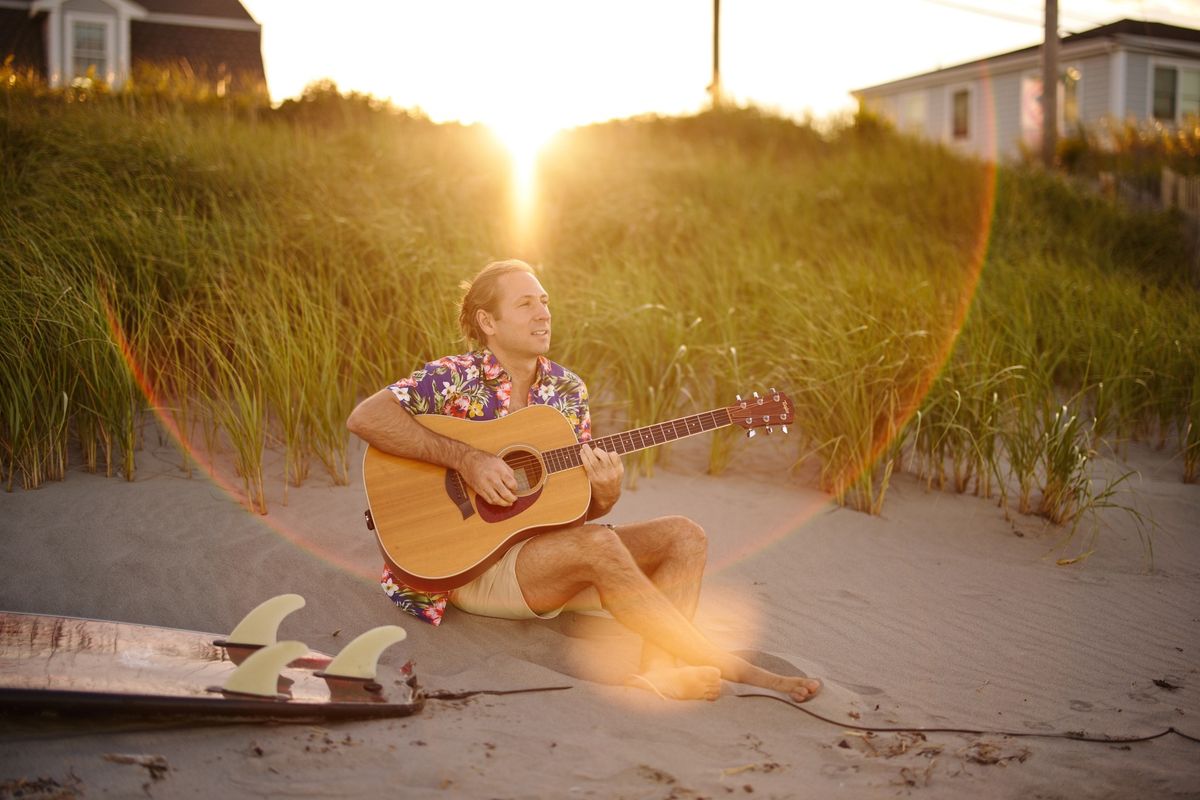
[496, 593]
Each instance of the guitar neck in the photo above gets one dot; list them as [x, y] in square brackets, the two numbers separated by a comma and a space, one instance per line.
[631, 441]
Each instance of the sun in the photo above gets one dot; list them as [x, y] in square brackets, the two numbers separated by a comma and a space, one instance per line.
[523, 137]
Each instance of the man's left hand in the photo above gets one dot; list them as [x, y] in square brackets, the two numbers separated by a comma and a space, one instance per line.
[605, 471]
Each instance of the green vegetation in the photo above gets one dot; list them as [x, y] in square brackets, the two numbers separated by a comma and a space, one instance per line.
[250, 274]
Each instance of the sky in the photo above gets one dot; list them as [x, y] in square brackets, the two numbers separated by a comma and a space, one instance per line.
[533, 66]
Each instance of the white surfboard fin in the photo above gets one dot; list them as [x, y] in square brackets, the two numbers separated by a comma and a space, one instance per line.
[259, 674]
[360, 659]
[260, 627]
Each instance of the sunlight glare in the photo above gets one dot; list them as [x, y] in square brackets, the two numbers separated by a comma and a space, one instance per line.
[524, 138]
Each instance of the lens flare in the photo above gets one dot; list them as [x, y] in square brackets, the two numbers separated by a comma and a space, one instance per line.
[983, 147]
[221, 474]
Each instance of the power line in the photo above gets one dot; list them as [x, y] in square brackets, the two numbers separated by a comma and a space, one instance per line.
[986, 12]
[1021, 20]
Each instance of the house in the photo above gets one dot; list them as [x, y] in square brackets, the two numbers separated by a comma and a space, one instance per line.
[1126, 70]
[62, 39]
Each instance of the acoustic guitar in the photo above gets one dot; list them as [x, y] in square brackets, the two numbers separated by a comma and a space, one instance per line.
[437, 534]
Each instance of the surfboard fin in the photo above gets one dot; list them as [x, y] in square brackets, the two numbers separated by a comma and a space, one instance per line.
[360, 659]
[259, 674]
[260, 627]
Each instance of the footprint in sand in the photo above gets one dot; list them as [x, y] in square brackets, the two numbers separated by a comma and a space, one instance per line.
[770, 661]
[1038, 726]
[1144, 697]
[1080, 705]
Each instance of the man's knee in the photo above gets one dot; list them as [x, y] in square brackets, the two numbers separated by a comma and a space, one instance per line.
[687, 535]
[603, 551]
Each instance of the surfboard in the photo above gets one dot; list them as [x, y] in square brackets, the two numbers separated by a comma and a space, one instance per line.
[79, 665]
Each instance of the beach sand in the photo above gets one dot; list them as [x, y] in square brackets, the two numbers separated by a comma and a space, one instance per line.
[940, 613]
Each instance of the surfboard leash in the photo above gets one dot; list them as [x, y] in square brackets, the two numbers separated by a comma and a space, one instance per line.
[1078, 736]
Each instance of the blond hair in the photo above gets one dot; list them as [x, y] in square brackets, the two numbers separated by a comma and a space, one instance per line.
[481, 294]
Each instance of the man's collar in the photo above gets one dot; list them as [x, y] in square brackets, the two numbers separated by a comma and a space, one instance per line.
[489, 360]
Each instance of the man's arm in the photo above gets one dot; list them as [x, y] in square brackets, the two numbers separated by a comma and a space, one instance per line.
[383, 423]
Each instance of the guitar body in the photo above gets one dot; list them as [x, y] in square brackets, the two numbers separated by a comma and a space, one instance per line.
[434, 531]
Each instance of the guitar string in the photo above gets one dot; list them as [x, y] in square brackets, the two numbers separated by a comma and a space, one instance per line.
[569, 455]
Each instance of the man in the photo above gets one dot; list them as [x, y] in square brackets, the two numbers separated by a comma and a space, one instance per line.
[646, 574]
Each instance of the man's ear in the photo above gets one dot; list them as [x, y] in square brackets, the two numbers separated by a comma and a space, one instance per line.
[484, 320]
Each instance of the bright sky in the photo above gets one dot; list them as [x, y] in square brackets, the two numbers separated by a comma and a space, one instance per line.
[538, 65]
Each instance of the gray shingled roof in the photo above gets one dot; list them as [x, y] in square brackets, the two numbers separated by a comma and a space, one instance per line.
[227, 9]
[1126, 27]
[1132, 27]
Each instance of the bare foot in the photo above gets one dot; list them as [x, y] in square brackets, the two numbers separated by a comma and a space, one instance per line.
[799, 689]
[680, 683]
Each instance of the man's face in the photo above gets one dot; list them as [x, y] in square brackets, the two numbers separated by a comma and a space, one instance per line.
[520, 325]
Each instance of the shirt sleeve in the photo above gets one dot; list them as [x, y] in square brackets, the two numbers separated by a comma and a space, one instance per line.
[417, 393]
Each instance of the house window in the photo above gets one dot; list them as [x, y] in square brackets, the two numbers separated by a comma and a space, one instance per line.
[1176, 93]
[961, 107]
[1070, 98]
[1164, 92]
[912, 112]
[1189, 93]
[89, 48]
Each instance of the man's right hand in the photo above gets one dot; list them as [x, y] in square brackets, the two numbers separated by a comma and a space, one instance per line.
[382, 422]
[490, 477]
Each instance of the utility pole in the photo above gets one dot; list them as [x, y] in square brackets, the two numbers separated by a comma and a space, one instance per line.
[1050, 86]
[714, 88]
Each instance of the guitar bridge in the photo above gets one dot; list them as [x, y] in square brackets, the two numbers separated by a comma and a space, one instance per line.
[457, 493]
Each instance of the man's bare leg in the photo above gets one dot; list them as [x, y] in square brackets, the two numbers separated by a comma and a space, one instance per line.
[554, 567]
[671, 552]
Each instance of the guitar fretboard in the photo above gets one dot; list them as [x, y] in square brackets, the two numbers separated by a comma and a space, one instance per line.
[631, 441]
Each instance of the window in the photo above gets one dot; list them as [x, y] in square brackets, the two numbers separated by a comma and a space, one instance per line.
[1066, 105]
[911, 115]
[1189, 93]
[1070, 99]
[1164, 92]
[961, 107]
[89, 48]
[1176, 93]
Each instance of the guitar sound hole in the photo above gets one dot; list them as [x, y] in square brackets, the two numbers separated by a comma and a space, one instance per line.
[526, 467]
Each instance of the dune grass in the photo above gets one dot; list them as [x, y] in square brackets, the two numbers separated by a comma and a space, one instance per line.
[250, 274]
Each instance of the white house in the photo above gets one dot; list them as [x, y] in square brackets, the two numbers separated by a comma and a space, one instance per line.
[65, 39]
[1124, 70]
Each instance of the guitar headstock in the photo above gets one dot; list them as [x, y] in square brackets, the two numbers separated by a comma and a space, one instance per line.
[774, 408]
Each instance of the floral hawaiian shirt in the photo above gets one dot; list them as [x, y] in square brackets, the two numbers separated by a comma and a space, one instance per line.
[475, 386]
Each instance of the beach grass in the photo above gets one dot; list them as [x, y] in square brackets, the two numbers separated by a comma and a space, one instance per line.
[250, 274]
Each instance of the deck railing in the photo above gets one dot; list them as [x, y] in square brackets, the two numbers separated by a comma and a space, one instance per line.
[1181, 191]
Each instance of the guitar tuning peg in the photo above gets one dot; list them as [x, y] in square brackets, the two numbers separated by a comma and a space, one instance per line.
[738, 397]
[750, 434]
[770, 429]
[783, 428]
[754, 395]
[773, 390]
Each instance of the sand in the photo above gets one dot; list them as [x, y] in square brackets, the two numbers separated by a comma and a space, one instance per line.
[941, 613]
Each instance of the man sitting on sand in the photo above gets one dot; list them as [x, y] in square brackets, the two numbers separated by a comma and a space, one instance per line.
[646, 574]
